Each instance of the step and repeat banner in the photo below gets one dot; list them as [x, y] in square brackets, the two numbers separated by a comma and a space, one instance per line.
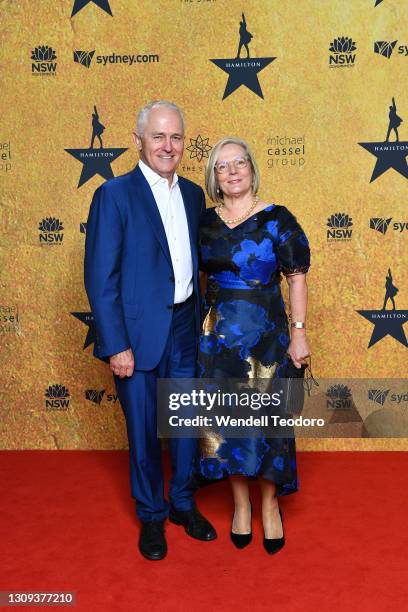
[319, 91]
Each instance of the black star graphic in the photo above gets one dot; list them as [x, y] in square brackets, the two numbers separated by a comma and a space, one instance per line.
[377, 2]
[80, 4]
[95, 161]
[88, 319]
[386, 323]
[389, 155]
[243, 72]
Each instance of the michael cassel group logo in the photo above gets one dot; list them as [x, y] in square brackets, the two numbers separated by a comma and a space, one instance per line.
[9, 321]
[57, 397]
[5, 156]
[339, 225]
[381, 225]
[43, 61]
[286, 152]
[386, 48]
[85, 58]
[50, 231]
[342, 52]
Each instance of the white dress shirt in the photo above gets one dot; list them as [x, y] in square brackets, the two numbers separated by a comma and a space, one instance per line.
[171, 208]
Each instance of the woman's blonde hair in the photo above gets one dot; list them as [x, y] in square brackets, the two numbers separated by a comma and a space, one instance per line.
[211, 183]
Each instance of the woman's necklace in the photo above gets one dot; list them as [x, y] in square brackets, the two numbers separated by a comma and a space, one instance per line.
[238, 219]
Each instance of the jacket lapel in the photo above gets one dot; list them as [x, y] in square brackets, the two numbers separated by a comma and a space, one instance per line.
[149, 203]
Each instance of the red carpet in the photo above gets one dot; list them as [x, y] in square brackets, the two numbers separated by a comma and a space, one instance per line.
[67, 523]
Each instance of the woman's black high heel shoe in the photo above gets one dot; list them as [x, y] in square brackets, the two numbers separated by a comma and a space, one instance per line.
[272, 545]
[240, 540]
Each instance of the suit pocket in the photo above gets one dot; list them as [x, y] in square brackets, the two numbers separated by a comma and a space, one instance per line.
[131, 311]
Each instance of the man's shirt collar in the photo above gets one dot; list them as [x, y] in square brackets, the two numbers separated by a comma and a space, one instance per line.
[152, 177]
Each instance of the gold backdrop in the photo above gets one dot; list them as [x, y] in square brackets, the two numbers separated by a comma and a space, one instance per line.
[323, 106]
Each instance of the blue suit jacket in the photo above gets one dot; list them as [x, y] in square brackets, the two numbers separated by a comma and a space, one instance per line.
[129, 276]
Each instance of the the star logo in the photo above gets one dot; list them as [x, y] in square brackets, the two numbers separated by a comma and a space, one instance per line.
[88, 319]
[80, 4]
[243, 71]
[389, 154]
[377, 2]
[96, 161]
[387, 322]
[198, 148]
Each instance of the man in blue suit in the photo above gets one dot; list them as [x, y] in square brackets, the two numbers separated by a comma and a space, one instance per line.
[141, 277]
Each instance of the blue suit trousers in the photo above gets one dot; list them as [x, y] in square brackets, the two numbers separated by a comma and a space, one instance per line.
[137, 396]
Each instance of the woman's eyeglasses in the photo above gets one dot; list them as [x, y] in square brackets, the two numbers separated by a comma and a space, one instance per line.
[238, 163]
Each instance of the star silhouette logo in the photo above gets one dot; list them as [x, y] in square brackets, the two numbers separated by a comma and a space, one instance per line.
[96, 160]
[199, 148]
[389, 154]
[88, 319]
[243, 71]
[377, 2]
[80, 4]
[387, 322]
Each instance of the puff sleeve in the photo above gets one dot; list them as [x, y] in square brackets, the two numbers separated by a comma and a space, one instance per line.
[293, 252]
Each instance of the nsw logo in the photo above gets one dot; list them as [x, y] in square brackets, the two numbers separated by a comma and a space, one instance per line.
[339, 226]
[341, 52]
[339, 398]
[50, 231]
[43, 61]
[57, 397]
[83, 57]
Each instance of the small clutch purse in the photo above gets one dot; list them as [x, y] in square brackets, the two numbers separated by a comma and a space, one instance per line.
[294, 382]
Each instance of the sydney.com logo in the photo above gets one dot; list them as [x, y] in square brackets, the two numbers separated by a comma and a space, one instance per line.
[85, 58]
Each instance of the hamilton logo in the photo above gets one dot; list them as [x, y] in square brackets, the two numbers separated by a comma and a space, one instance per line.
[88, 319]
[389, 154]
[387, 322]
[80, 4]
[243, 71]
[199, 148]
[96, 160]
[84, 57]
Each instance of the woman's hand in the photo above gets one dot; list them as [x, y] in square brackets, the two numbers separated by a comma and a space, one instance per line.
[298, 348]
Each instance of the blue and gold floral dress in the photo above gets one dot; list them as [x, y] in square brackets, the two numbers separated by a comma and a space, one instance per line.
[245, 329]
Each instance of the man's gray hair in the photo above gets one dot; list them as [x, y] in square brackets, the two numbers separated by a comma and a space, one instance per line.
[145, 111]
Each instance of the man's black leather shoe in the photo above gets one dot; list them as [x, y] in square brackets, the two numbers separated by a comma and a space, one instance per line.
[152, 543]
[194, 524]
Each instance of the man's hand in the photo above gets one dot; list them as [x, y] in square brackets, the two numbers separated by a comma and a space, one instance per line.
[122, 364]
